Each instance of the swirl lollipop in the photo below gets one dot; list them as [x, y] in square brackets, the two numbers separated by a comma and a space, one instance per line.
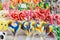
[46, 5]
[14, 26]
[28, 28]
[33, 25]
[11, 6]
[56, 31]
[36, 1]
[39, 29]
[41, 5]
[23, 6]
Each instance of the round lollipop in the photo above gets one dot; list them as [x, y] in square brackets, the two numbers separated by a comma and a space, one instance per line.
[23, 6]
[3, 24]
[41, 5]
[46, 5]
[6, 6]
[56, 30]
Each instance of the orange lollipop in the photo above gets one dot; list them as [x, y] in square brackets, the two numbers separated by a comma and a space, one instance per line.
[36, 1]
[14, 2]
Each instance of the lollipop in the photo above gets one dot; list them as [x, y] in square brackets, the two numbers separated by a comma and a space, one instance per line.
[41, 5]
[46, 5]
[13, 14]
[6, 6]
[36, 1]
[23, 6]
[26, 27]
[21, 15]
[56, 30]
[33, 25]
[40, 29]
[11, 6]
[3, 13]
[0, 6]
[50, 28]
[58, 22]
[14, 27]
[3, 24]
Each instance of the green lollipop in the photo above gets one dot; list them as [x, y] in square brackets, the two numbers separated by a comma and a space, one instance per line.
[41, 4]
[23, 6]
[27, 5]
[56, 30]
[46, 5]
[11, 6]
[0, 6]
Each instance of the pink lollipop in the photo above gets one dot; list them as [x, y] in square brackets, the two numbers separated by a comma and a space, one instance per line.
[13, 14]
[5, 6]
[56, 16]
[26, 14]
[30, 14]
[37, 11]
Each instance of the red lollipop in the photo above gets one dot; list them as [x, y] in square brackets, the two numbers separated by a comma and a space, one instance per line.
[56, 16]
[13, 14]
[47, 12]
[58, 21]
[21, 16]
[42, 11]
[31, 13]
[26, 14]
[49, 18]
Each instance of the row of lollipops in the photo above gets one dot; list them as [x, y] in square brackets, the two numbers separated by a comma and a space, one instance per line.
[31, 27]
[23, 6]
[27, 6]
[37, 14]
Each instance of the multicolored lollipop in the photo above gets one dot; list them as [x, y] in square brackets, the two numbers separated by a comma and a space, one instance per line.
[14, 26]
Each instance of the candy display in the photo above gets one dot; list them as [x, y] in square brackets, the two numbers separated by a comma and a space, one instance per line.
[35, 18]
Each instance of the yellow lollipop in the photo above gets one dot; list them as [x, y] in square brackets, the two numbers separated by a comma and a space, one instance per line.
[50, 28]
[3, 25]
[41, 26]
[32, 25]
